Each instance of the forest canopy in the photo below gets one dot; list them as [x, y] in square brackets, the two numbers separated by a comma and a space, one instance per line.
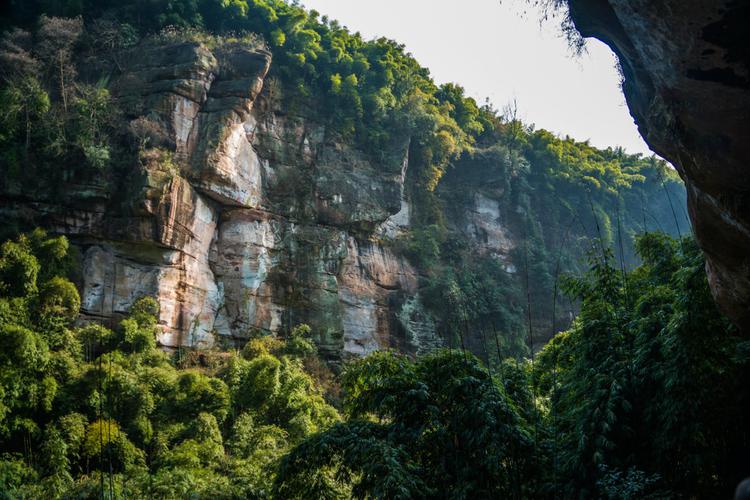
[644, 397]
[81, 402]
[370, 91]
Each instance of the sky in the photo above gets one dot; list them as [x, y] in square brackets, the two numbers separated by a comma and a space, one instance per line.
[493, 49]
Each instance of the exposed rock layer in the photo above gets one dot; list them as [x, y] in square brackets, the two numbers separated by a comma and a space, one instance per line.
[687, 83]
[240, 218]
[237, 218]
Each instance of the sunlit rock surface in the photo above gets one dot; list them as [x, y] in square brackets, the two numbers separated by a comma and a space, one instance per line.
[240, 218]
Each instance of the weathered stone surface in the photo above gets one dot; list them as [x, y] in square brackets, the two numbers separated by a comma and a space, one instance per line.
[244, 259]
[370, 275]
[276, 273]
[187, 294]
[224, 164]
[312, 177]
[397, 224]
[478, 208]
[485, 227]
[686, 71]
[418, 326]
[166, 84]
[170, 262]
[186, 69]
[351, 190]
[239, 219]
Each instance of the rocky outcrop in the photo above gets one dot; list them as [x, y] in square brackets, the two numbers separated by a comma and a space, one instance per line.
[373, 278]
[240, 218]
[686, 70]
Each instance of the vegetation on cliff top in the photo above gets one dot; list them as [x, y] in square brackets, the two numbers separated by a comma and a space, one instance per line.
[372, 92]
[556, 199]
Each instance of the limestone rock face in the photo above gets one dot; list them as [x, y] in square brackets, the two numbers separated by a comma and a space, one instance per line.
[372, 276]
[686, 71]
[238, 217]
[484, 225]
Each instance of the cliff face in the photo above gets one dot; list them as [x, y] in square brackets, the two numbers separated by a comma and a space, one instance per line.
[241, 213]
[687, 83]
[239, 217]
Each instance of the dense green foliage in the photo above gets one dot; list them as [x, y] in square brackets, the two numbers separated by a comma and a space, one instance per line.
[436, 427]
[49, 117]
[556, 198]
[81, 403]
[650, 383]
[646, 395]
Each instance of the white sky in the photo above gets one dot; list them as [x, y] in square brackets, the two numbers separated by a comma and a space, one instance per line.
[493, 49]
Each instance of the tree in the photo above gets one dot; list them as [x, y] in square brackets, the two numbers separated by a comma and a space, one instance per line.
[93, 113]
[55, 40]
[440, 425]
[23, 103]
[643, 387]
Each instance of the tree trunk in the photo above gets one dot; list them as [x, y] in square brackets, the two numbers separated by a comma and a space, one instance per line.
[62, 83]
[28, 130]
